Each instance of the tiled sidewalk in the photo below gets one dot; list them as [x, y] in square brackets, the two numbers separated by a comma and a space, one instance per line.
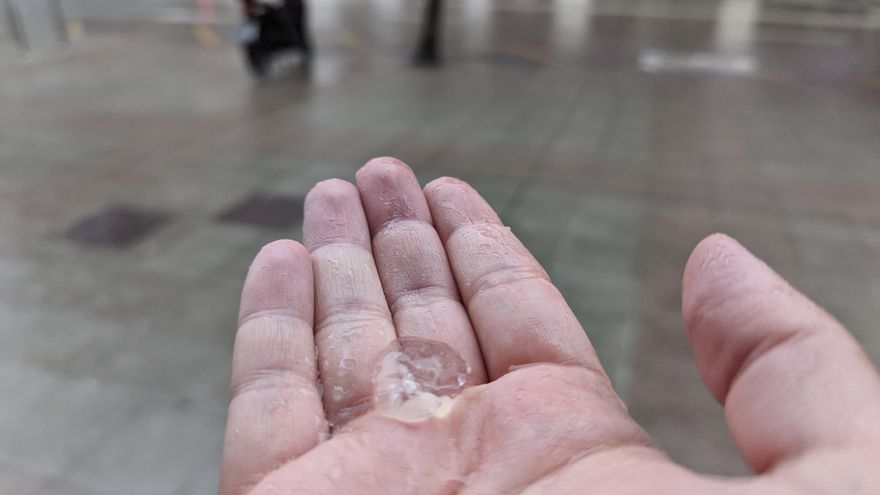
[114, 362]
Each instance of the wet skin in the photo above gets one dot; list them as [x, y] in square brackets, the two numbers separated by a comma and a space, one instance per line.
[385, 259]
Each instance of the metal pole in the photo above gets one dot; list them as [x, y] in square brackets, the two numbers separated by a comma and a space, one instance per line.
[60, 21]
[15, 24]
[427, 51]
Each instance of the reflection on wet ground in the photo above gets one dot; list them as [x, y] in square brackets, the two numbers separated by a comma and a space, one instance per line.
[611, 137]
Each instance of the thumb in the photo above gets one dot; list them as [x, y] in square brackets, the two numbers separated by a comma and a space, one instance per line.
[791, 378]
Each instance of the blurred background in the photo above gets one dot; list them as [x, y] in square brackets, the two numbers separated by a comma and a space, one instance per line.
[141, 168]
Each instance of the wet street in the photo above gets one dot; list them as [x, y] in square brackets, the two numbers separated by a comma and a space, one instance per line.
[141, 168]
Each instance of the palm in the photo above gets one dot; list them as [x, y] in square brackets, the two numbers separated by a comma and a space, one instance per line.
[387, 261]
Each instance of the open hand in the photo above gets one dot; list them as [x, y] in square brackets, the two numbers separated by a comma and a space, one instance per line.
[386, 259]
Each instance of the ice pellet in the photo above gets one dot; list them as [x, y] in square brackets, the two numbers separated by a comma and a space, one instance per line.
[417, 371]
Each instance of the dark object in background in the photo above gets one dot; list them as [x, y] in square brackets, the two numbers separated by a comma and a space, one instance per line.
[117, 226]
[266, 210]
[270, 27]
[427, 53]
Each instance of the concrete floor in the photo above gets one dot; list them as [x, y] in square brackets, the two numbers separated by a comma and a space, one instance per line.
[610, 141]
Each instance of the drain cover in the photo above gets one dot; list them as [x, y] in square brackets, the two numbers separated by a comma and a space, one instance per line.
[115, 226]
[266, 210]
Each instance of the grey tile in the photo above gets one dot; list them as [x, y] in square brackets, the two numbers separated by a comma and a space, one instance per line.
[19, 481]
[667, 392]
[158, 451]
[167, 365]
[50, 340]
[533, 214]
[603, 235]
[508, 59]
[832, 246]
[56, 419]
[197, 250]
[61, 487]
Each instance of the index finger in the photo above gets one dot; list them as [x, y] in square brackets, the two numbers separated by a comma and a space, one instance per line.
[412, 263]
[518, 314]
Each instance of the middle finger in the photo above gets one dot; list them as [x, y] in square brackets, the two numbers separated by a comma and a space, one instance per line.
[352, 321]
[412, 263]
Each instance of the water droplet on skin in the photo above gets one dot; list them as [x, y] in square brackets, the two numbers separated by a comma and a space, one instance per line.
[277, 404]
[416, 378]
[514, 367]
[338, 393]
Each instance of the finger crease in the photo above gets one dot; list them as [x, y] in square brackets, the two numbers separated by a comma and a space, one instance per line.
[399, 220]
[502, 277]
[422, 296]
[316, 246]
[271, 378]
[344, 314]
[638, 444]
[762, 349]
[274, 314]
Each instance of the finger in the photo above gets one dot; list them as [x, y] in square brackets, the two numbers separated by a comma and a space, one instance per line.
[790, 377]
[412, 263]
[352, 321]
[275, 410]
[519, 317]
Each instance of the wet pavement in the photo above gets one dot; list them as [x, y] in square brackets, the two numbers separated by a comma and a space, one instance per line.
[611, 137]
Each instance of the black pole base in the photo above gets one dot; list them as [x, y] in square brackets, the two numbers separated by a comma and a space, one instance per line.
[427, 54]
